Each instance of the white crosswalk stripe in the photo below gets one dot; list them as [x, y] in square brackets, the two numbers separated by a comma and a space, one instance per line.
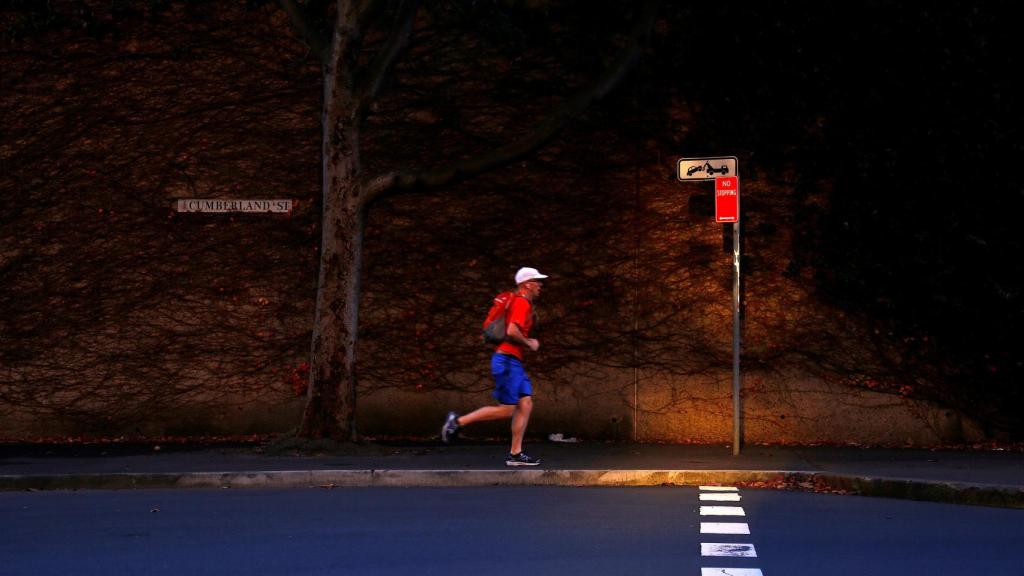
[724, 528]
[730, 572]
[718, 489]
[720, 497]
[722, 511]
[727, 549]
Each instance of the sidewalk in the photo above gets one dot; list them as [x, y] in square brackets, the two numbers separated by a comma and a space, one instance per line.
[971, 476]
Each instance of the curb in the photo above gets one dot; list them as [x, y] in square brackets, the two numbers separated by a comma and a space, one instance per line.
[904, 488]
[1002, 496]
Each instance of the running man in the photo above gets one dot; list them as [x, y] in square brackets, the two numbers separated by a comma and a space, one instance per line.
[512, 387]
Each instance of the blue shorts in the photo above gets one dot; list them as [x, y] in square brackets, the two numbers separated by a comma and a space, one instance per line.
[510, 380]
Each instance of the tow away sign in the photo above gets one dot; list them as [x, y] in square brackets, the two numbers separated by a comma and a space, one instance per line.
[706, 168]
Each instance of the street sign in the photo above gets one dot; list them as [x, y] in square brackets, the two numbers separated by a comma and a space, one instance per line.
[727, 199]
[725, 171]
[233, 205]
[706, 168]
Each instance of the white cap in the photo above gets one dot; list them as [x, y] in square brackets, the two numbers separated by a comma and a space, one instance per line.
[527, 274]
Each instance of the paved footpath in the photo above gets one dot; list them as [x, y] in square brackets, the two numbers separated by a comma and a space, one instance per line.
[987, 477]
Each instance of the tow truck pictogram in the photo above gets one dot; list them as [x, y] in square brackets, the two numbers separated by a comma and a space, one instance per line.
[708, 169]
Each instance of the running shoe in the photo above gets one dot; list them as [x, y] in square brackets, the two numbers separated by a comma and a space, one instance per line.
[521, 459]
[451, 428]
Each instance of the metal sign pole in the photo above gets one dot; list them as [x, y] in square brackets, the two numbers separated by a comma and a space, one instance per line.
[737, 413]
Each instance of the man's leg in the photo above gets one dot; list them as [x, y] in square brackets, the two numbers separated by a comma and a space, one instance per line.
[454, 423]
[487, 413]
[520, 418]
[506, 391]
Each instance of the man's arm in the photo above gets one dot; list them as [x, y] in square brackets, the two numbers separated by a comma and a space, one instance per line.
[514, 335]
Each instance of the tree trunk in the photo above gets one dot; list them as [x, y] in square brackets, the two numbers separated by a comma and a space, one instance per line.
[331, 397]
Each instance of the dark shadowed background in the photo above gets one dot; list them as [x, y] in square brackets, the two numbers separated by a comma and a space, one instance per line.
[881, 259]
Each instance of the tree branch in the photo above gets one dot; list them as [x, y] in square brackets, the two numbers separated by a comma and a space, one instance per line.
[399, 181]
[369, 86]
[304, 25]
[369, 12]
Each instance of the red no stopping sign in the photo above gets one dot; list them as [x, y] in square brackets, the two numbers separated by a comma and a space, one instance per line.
[727, 199]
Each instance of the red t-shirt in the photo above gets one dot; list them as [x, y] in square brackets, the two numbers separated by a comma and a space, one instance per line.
[521, 314]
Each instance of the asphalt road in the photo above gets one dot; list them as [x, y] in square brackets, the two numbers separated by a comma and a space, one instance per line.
[498, 530]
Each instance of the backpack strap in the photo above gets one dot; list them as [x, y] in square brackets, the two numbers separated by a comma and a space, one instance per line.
[509, 308]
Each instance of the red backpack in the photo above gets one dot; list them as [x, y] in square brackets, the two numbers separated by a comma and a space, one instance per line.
[496, 323]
